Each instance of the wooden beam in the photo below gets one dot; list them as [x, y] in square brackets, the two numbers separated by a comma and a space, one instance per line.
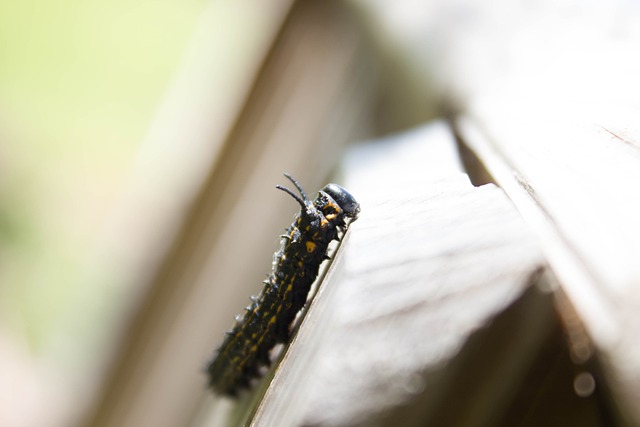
[573, 182]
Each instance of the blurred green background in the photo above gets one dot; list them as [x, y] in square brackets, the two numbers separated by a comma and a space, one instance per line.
[79, 84]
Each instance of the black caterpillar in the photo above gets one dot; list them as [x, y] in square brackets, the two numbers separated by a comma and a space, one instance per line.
[295, 267]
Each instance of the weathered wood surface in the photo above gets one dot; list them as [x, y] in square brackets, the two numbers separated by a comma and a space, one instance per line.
[430, 260]
[575, 184]
[551, 102]
[565, 146]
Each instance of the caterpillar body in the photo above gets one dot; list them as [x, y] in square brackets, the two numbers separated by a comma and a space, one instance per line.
[267, 320]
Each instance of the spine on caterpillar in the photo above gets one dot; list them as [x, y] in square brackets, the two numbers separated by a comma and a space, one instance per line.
[266, 321]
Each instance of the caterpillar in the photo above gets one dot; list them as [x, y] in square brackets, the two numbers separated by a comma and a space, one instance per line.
[268, 318]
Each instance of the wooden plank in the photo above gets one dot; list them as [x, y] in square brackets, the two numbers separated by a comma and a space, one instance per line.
[586, 221]
[430, 261]
[550, 99]
[565, 147]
